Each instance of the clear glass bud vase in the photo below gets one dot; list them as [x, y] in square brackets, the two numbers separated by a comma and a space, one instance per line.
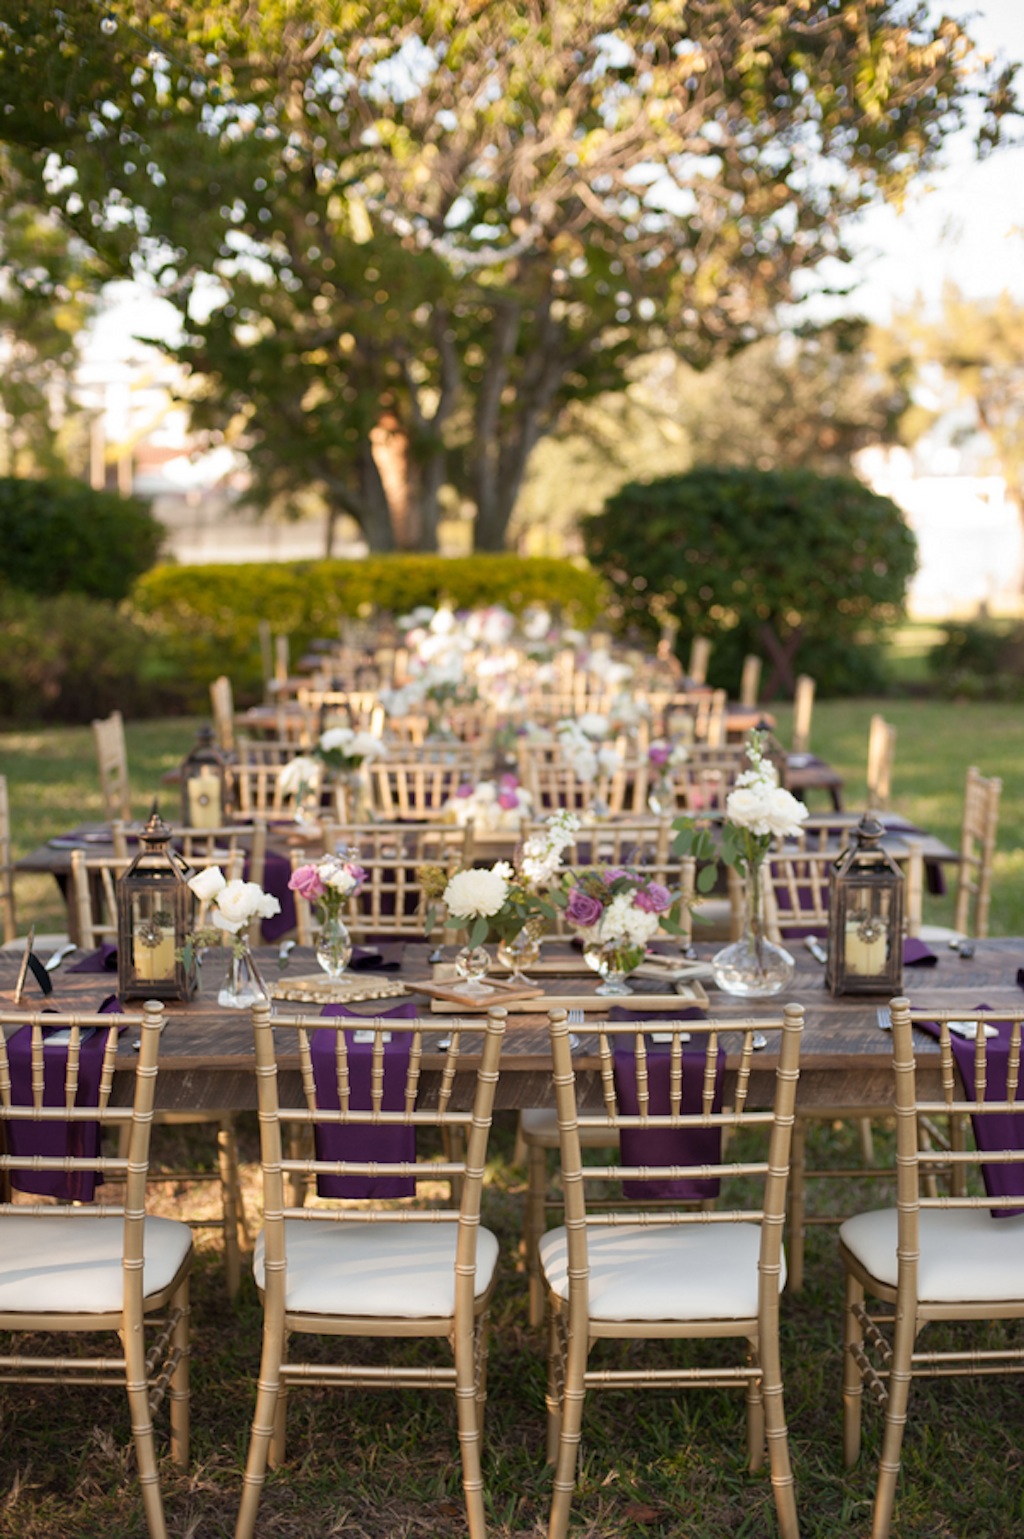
[333, 945]
[753, 967]
[243, 987]
[613, 961]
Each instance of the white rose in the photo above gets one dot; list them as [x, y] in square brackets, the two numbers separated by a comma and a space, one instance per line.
[299, 772]
[784, 813]
[366, 746]
[477, 894]
[235, 905]
[593, 724]
[207, 884]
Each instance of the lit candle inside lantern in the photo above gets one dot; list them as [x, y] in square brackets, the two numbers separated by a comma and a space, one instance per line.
[204, 799]
[865, 950]
[153, 962]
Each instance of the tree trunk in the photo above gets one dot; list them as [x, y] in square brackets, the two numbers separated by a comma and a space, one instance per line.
[392, 455]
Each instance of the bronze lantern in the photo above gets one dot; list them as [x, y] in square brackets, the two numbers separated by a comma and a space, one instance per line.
[154, 920]
[866, 903]
[205, 783]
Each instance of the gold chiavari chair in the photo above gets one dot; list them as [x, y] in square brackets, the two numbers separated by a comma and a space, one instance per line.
[112, 762]
[390, 904]
[538, 1125]
[400, 1268]
[881, 754]
[412, 791]
[655, 1273]
[937, 1258]
[94, 889]
[803, 708]
[977, 855]
[74, 1265]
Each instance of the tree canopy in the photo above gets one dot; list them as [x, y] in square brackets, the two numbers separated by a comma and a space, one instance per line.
[404, 237]
[790, 564]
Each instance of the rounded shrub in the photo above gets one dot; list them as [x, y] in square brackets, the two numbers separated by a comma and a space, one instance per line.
[61, 536]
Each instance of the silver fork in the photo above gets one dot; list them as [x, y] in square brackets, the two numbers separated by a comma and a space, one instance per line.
[884, 1018]
[575, 1018]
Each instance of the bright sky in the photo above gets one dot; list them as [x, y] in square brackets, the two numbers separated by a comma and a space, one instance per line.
[965, 226]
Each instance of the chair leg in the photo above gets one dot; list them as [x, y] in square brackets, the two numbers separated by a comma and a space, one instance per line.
[567, 1465]
[264, 1430]
[755, 1417]
[278, 1440]
[867, 1140]
[895, 1421]
[533, 1226]
[179, 1391]
[467, 1400]
[235, 1229]
[134, 1348]
[796, 1199]
[776, 1434]
[853, 1383]
[556, 1382]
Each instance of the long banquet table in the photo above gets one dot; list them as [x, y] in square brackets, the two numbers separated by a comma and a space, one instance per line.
[206, 1059]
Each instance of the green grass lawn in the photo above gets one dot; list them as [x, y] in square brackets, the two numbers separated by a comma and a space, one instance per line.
[385, 1466]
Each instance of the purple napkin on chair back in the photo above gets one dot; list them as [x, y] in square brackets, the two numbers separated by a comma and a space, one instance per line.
[669, 1146]
[363, 1144]
[55, 1140]
[1000, 1130]
[276, 872]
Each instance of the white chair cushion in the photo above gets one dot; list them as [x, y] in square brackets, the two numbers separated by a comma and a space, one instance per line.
[73, 1266]
[380, 1271]
[539, 1125]
[966, 1254]
[687, 1272]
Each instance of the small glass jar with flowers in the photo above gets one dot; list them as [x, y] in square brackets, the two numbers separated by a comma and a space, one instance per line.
[227, 911]
[617, 912]
[330, 883]
[506, 903]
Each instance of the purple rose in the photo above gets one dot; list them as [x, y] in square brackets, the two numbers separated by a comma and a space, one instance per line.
[507, 800]
[509, 783]
[653, 899]
[658, 754]
[582, 909]
[465, 789]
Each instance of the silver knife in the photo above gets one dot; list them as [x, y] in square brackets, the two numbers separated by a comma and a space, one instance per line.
[52, 963]
[816, 949]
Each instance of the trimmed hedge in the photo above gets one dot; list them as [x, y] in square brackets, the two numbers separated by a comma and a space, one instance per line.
[71, 658]
[61, 536]
[204, 621]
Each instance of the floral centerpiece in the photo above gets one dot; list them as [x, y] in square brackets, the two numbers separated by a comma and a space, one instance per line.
[617, 912]
[489, 805]
[663, 756]
[503, 902]
[340, 753]
[231, 908]
[330, 883]
[344, 749]
[583, 751]
[758, 813]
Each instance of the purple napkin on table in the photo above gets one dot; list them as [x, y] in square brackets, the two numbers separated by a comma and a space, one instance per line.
[386, 957]
[1001, 1130]
[102, 960]
[54, 1140]
[276, 872]
[363, 1144]
[671, 1146]
[917, 954]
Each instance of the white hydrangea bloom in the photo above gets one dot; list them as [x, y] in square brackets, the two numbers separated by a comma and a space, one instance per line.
[478, 894]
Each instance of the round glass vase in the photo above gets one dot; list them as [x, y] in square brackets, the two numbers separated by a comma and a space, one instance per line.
[520, 951]
[752, 967]
[661, 798]
[613, 961]
[472, 964]
[333, 945]
[243, 987]
[352, 796]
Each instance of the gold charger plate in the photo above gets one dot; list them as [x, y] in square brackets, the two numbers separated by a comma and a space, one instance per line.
[317, 988]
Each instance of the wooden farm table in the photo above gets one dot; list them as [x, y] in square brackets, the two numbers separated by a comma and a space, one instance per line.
[206, 1059]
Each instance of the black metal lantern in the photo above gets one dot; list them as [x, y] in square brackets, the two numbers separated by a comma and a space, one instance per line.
[154, 920]
[866, 903]
[205, 783]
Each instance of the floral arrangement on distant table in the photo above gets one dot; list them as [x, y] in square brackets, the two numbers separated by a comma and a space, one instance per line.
[490, 805]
